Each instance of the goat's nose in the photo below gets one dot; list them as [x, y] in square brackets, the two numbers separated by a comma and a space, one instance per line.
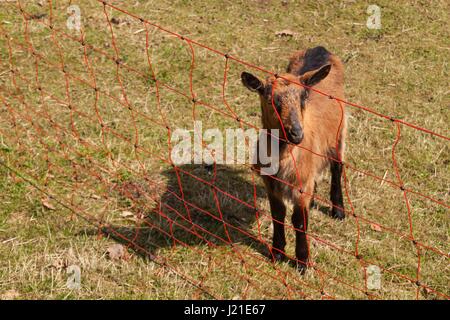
[295, 134]
[296, 130]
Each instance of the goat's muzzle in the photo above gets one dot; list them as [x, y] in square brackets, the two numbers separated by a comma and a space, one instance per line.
[295, 134]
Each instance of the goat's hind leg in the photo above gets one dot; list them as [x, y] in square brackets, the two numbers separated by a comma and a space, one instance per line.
[337, 200]
[313, 203]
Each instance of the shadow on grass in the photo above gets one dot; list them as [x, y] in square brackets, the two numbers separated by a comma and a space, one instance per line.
[198, 206]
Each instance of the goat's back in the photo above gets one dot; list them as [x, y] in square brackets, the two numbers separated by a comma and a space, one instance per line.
[314, 58]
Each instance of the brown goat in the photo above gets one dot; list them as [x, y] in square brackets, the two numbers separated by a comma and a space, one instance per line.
[313, 122]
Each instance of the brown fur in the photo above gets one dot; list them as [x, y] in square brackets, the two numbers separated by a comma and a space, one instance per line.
[321, 119]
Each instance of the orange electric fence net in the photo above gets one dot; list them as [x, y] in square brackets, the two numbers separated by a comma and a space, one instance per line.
[87, 122]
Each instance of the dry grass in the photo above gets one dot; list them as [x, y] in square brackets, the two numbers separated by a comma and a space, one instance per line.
[401, 70]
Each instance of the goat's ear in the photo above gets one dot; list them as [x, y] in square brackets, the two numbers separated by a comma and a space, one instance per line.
[251, 82]
[313, 77]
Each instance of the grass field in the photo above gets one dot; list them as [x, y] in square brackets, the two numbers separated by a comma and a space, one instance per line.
[400, 70]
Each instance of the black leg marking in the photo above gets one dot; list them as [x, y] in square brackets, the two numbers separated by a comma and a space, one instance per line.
[278, 210]
[300, 222]
[313, 202]
[336, 191]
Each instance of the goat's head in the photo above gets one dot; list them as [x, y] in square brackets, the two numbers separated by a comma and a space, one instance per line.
[283, 101]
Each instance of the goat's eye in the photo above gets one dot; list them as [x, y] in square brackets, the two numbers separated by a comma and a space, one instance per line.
[276, 102]
[303, 97]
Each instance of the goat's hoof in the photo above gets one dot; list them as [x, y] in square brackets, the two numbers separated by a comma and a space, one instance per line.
[301, 267]
[338, 214]
[278, 257]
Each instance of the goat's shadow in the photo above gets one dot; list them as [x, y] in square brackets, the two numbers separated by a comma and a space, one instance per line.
[201, 205]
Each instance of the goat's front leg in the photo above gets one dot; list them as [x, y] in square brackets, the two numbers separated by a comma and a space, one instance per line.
[300, 223]
[278, 211]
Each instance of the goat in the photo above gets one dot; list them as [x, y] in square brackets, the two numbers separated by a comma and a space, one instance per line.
[309, 121]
